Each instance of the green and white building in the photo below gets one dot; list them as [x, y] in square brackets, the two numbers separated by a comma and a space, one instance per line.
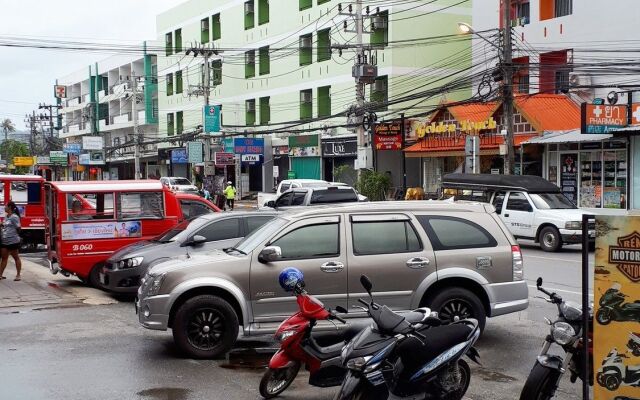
[278, 72]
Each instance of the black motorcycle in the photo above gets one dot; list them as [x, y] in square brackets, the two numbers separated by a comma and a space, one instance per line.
[566, 331]
[614, 308]
[392, 359]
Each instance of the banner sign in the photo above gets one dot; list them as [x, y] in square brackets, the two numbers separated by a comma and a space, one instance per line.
[211, 119]
[388, 136]
[43, 160]
[248, 145]
[280, 150]
[304, 146]
[58, 157]
[101, 230]
[601, 118]
[343, 147]
[223, 158]
[194, 150]
[616, 349]
[72, 148]
[92, 143]
[179, 156]
[91, 158]
[23, 161]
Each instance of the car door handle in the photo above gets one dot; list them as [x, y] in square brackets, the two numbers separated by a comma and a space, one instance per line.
[332, 266]
[506, 215]
[418, 262]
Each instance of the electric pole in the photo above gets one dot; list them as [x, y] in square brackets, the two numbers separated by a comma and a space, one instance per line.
[359, 83]
[50, 108]
[507, 86]
[136, 133]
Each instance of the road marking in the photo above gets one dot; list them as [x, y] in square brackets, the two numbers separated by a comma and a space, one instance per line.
[551, 258]
[559, 290]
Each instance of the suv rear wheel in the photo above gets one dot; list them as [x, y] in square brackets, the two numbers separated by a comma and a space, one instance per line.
[205, 327]
[550, 239]
[453, 303]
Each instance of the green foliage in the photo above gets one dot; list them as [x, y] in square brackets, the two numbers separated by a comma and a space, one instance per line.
[345, 174]
[373, 184]
[12, 148]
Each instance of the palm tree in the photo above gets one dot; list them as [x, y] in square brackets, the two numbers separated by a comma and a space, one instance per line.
[7, 126]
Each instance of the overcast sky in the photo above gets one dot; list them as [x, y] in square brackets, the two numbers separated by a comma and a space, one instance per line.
[27, 75]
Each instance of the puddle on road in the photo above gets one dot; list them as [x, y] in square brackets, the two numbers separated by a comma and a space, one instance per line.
[165, 393]
[493, 376]
[248, 358]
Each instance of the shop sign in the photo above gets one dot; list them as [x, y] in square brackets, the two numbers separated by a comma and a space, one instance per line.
[467, 126]
[635, 114]
[91, 158]
[250, 158]
[72, 148]
[223, 158]
[58, 157]
[228, 145]
[194, 151]
[280, 150]
[211, 119]
[43, 160]
[569, 176]
[60, 91]
[387, 136]
[340, 147]
[600, 118]
[304, 146]
[23, 161]
[92, 143]
[101, 230]
[179, 156]
[617, 289]
[248, 146]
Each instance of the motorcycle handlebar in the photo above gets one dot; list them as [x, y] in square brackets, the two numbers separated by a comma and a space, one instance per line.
[339, 318]
[363, 302]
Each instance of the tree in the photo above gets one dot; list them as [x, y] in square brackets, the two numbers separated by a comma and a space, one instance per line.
[12, 148]
[7, 127]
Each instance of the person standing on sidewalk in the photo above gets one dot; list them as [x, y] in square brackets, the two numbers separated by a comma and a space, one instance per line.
[11, 240]
[230, 194]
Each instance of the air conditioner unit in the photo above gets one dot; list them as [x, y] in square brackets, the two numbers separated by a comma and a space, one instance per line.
[250, 58]
[379, 22]
[248, 7]
[204, 24]
[306, 97]
[305, 42]
[251, 106]
[577, 79]
[380, 86]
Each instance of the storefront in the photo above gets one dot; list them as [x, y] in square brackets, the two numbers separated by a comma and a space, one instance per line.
[180, 163]
[280, 163]
[304, 153]
[339, 155]
[250, 152]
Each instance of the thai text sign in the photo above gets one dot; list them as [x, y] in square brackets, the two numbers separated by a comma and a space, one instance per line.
[601, 118]
[211, 116]
[23, 161]
[58, 157]
[388, 136]
[101, 230]
[616, 349]
[223, 158]
[72, 148]
[248, 145]
[304, 146]
[194, 150]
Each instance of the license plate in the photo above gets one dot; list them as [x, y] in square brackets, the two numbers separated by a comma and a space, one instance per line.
[102, 279]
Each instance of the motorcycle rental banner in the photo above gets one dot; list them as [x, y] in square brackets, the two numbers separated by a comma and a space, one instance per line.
[616, 350]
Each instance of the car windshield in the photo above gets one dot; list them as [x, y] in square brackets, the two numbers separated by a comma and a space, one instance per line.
[180, 181]
[181, 231]
[249, 243]
[551, 201]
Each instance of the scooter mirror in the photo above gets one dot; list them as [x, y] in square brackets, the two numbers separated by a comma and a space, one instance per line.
[539, 282]
[366, 284]
[341, 310]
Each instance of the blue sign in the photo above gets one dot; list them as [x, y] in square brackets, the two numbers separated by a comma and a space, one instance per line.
[71, 148]
[179, 156]
[248, 145]
[211, 119]
[195, 152]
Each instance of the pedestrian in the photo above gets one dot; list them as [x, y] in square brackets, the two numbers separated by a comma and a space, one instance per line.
[230, 194]
[11, 240]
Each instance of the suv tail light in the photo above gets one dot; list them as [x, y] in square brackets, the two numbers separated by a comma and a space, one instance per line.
[518, 265]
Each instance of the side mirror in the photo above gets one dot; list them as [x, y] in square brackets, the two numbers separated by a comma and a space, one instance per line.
[539, 282]
[196, 240]
[270, 254]
[270, 203]
[341, 310]
[366, 284]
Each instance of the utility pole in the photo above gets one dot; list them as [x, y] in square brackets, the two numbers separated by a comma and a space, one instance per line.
[359, 83]
[50, 108]
[507, 87]
[136, 132]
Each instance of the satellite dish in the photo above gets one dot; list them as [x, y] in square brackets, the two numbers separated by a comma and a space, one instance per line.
[612, 97]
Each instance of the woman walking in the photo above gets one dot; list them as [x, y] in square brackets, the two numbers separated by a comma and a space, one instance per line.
[11, 239]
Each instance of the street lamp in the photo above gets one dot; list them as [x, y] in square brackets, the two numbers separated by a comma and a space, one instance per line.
[466, 29]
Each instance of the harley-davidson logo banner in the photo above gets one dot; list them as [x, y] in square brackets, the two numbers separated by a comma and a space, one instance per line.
[616, 347]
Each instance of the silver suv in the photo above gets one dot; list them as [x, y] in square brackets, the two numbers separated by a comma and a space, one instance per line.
[457, 258]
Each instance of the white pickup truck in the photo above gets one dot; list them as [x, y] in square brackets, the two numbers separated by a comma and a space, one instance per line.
[530, 206]
[287, 184]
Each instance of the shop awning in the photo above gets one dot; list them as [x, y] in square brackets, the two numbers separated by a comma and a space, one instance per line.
[572, 136]
[549, 112]
[446, 147]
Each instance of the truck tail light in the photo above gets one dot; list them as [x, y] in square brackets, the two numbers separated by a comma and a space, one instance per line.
[517, 263]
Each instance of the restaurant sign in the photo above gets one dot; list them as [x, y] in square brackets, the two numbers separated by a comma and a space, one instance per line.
[466, 126]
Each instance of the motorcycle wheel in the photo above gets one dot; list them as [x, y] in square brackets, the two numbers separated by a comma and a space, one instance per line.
[276, 381]
[603, 316]
[541, 384]
[600, 378]
[612, 382]
[465, 379]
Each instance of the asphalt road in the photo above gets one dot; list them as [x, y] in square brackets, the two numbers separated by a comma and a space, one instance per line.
[100, 352]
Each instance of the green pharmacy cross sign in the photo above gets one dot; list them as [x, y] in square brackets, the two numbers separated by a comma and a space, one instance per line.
[211, 118]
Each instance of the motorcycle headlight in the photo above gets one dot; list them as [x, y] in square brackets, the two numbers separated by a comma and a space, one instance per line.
[130, 262]
[358, 363]
[282, 336]
[154, 284]
[562, 333]
[574, 225]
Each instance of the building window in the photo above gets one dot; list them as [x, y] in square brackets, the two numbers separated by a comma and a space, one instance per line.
[306, 104]
[306, 50]
[216, 70]
[250, 112]
[216, 27]
[265, 111]
[178, 82]
[154, 108]
[250, 64]
[304, 4]
[170, 124]
[154, 74]
[562, 80]
[116, 141]
[380, 93]
[179, 122]
[563, 7]
[168, 44]
[323, 1]
[523, 84]
[553, 71]
[204, 30]
[249, 15]
[324, 45]
[265, 63]
[521, 74]
[324, 101]
[169, 80]
[178, 41]
[263, 11]
[523, 13]
[379, 29]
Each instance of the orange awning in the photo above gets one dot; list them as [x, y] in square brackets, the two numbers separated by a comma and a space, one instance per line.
[454, 146]
[549, 112]
[473, 112]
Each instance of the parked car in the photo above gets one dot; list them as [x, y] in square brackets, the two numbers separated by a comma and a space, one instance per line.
[457, 258]
[311, 196]
[177, 184]
[283, 186]
[122, 271]
[530, 206]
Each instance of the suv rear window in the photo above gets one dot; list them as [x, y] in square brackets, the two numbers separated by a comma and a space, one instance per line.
[450, 233]
[384, 237]
[324, 196]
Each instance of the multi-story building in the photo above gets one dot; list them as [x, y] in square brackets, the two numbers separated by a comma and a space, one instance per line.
[278, 71]
[580, 48]
[99, 102]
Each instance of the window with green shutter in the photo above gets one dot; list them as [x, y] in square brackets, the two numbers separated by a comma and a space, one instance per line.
[204, 30]
[216, 71]
[250, 112]
[178, 41]
[323, 1]
[324, 45]
[168, 43]
[324, 101]
[263, 11]
[306, 52]
[306, 104]
[249, 15]
[265, 63]
[170, 131]
[178, 82]
[265, 110]
[380, 93]
[304, 4]
[250, 64]
[379, 29]
[169, 80]
[179, 122]
[216, 27]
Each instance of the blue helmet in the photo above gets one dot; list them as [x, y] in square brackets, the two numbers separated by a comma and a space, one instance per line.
[290, 278]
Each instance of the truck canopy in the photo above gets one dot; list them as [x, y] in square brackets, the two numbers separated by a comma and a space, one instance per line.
[491, 182]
